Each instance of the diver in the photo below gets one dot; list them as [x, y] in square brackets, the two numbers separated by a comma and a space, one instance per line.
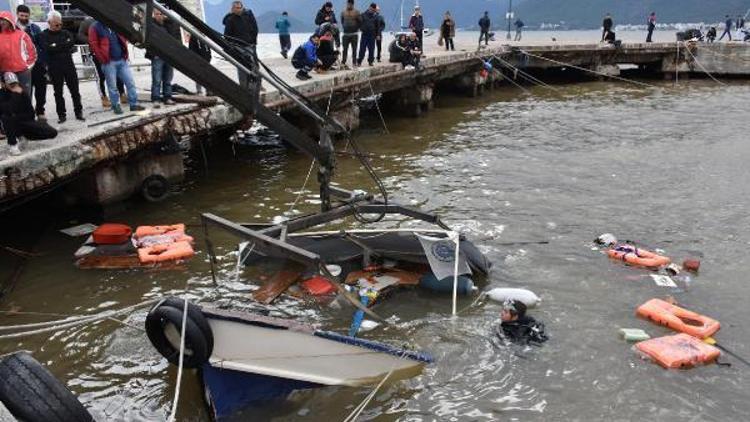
[519, 328]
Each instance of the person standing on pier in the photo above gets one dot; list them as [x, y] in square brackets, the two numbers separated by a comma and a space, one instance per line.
[448, 31]
[369, 32]
[651, 22]
[39, 71]
[59, 45]
[285, 39]
[727, 28]
[162, 72]
[17, 115]
[327, 16]
[240, 23]
[17, 51]
[740, 22]
[83, 38]
[484, 28]
[351, 20]
[607, 24]
[199, 47]
[111, 49]
[519, 29]
[379, 34]
[416, 24]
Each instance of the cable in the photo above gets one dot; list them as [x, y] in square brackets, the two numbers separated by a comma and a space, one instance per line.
[588, 70]
[176, 400]
[703, 68]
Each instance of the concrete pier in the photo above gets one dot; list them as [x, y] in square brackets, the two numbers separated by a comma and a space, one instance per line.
[106, 159]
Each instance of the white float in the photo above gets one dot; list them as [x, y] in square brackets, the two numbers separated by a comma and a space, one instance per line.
[501, 294]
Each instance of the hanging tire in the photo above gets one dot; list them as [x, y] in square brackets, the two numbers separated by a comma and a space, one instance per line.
[164, 329]
[155, 188]
[196, 315]
[31, 393]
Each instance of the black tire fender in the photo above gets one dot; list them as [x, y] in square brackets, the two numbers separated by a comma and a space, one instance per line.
[164, 327]
[31, 393]
[155, 188]
[196, 315]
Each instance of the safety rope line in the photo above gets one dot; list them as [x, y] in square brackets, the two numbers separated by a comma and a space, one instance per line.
[176, 400]
[377, 106]
[695, 59]
[68, 323]
[588, 70]
[524, 74]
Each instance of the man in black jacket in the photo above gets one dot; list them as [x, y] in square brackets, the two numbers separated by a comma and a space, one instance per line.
[326, 15]
[607, 24]
[202, 49]
[240, 23]
[351, 20]
[370, 24]
[484, 28]
[379, 34]
[17, 115]
[162, 72]
[59, 46]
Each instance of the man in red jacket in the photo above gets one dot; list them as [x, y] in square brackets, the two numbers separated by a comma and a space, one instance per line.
[111, 50]
[17, 52]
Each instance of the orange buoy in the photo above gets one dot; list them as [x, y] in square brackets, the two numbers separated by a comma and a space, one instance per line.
[144, 231]
[639, 257]
[678, 319]
[678, 351]
[165, 252]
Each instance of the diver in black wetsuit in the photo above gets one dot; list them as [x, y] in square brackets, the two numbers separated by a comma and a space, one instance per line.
[519, 328]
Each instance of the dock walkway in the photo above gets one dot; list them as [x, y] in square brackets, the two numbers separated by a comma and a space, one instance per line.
[104, 138]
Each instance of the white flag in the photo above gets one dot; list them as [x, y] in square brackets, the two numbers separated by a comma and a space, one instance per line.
[441, 254]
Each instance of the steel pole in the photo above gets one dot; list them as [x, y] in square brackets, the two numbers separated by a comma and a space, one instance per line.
[508, 16]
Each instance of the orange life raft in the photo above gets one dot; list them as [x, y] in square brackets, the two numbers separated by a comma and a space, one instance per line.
[144, 231]
[165, 252]
[639, 257]
[678, 351]
[678, 319]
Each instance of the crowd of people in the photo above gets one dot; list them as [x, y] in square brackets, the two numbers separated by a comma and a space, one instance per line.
[608, 34]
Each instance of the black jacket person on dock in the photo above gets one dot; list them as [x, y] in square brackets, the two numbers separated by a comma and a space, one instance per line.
[59, 46]
[607, 24]
[240, 23]
[17, 115]
[484, 28]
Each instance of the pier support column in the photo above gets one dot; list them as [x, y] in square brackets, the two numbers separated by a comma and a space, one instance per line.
[412, 101]
[347, 114]
[150, 170]
[471, 83]
[607, 69]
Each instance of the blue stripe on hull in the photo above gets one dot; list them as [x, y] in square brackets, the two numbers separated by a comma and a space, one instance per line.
[231, 391]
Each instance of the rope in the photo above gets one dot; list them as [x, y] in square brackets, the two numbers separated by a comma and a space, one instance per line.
[377, 106]
[524, 74]
[59, 325]
[182, 357]
[361, 407]
[588, 70]
[703, 68]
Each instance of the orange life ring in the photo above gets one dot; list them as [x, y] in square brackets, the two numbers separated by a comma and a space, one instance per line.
[165, 252]
[639, 257]
[678, 351]
[678, 319]
[144, 231]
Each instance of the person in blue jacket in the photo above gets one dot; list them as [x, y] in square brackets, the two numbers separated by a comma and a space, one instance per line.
[282, 25]
[305, 58]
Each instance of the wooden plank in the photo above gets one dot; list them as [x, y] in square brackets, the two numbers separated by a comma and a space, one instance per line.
[276, 286]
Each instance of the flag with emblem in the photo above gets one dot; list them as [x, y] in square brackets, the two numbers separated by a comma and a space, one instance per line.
[441, 254]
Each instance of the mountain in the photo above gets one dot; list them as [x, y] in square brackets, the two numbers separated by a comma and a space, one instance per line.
[577, 14]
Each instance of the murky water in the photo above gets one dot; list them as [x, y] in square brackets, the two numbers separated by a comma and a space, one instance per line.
[663, 166]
